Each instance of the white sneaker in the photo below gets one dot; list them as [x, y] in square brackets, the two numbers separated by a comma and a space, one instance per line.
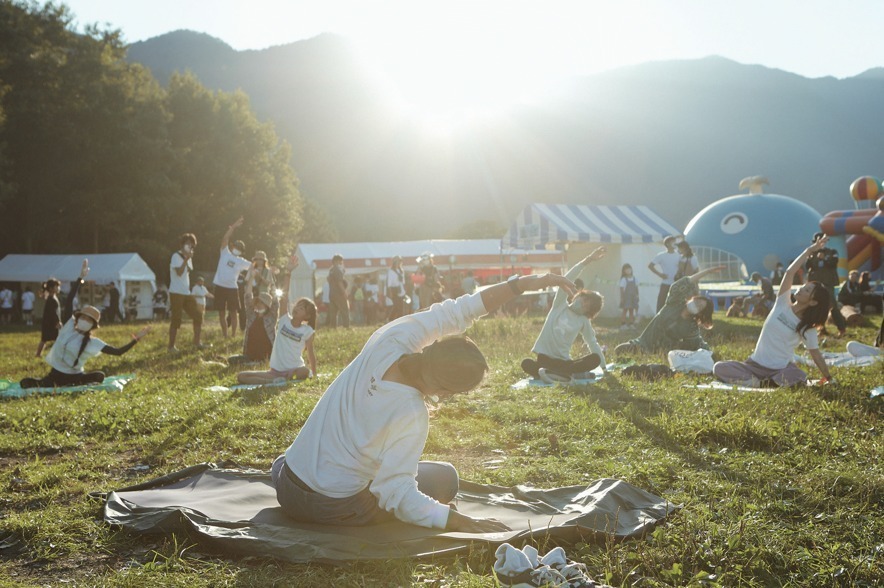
[552, 377]
[574, 573]
[513, 568]
[532, 554]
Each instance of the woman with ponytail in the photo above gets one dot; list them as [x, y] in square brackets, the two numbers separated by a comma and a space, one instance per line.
[75, 345]
[790, 322]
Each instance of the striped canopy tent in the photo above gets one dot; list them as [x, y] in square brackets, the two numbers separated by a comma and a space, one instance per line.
[540, 225]
[633, 234]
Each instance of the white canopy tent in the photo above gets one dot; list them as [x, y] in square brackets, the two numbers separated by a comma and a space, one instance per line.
[632, 234]
[448, 255]
[128, 271]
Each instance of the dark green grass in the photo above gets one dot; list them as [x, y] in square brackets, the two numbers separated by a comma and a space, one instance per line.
[782, 488]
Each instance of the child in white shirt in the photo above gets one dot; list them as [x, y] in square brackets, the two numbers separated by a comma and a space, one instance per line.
[200, 293]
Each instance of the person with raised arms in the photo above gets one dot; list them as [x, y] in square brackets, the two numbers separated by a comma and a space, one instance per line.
[230, 264]
[356, 460]
[790, 322]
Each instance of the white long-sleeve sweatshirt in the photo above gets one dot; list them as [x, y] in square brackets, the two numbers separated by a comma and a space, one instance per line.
[367, 431]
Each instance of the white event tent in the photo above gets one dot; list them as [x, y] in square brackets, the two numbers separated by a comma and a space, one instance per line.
[482, 256]
[128, 270]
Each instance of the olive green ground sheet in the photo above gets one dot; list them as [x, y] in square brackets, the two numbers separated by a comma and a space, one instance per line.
[235, 511]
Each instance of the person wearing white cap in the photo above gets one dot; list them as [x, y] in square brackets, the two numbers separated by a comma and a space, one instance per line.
[76, 345]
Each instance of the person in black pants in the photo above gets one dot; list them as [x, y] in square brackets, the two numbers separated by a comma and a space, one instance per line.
[822, 267]
[112, 312]
[76, 345]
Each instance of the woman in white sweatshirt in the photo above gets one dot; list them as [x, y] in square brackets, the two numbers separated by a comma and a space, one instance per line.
[356, 460]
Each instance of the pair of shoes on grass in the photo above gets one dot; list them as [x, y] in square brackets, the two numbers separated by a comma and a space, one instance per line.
[525, 569]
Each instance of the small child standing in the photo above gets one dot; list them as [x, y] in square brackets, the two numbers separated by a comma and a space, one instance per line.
[628, 296]
[27, 306]
[200, 293]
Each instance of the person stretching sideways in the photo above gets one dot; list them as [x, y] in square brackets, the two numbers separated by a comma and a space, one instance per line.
[356, 460]
[789, 323]
[566, 320]
[76, 345]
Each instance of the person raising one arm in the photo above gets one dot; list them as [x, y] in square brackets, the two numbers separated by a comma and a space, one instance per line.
[677, 325]
[356, 461]
[789, 323]
[76, 345]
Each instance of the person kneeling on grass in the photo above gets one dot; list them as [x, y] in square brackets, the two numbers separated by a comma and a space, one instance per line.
[76, 345]
[564, 322]
[294, 335]
[789, 323]
[677, 325]
[356, 460]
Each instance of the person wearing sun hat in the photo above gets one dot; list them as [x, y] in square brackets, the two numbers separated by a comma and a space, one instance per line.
[262, 274]
[76, 345]
[356, 461]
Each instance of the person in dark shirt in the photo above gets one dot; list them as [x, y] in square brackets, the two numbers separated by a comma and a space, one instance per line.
[339, 304]
[51, 322]
[767, 292]
[822, 267]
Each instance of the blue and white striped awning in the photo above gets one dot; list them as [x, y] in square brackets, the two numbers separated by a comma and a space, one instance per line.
[542, 224]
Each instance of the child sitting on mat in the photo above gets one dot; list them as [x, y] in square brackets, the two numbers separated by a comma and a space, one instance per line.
[678, 324]
[76, 345]
[788, 324]
[563, 324]
[294, 335]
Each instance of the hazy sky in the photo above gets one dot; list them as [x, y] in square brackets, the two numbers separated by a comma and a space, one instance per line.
[477, 54]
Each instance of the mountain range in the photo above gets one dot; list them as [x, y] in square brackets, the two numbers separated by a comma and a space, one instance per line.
[674, 135]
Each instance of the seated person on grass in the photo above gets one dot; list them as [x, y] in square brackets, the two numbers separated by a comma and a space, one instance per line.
[294, 336]
[788, 324]
[259, 333]
[356, 460]
[564, 323]
[678, 324]
[76, 345]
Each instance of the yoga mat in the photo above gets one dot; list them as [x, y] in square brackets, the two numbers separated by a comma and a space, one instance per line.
[10, 389]
[235, 510]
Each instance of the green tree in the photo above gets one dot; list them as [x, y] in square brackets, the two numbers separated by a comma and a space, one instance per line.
[317, 227]
[96, 156]
[228, 164]
[84, 134]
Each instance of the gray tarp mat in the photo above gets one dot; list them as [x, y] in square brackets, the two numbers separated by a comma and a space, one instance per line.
[235, 510]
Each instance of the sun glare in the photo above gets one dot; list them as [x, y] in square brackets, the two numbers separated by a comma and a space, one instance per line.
[477, 60]
[444, 86]
[452, 74]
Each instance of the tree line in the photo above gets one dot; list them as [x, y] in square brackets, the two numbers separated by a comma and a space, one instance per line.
[97, 156]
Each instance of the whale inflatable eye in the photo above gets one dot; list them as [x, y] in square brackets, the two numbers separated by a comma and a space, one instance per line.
[734, 223]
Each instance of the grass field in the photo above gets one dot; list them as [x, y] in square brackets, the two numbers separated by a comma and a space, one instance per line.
[782, 488]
